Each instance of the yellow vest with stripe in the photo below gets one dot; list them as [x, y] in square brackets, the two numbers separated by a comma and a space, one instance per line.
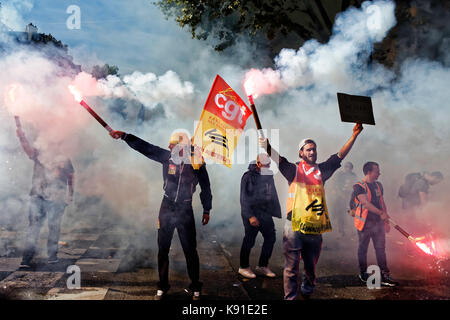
[306, 196]
[361, 212]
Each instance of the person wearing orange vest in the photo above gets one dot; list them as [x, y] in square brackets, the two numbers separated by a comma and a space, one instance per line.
[371, 221]
[307, 214]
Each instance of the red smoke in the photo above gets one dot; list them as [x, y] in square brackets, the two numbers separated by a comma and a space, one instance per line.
[259, 82]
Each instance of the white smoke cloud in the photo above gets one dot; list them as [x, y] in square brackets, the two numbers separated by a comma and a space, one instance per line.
[11, 13]
[411, 111]
[335, 63]
[149, 89]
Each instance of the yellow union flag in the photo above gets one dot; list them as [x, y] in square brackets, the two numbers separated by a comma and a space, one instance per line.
[221, 123]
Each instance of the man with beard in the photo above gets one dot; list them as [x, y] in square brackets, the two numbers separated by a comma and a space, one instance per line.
[48, 197]
[181, 174]
[307, 215]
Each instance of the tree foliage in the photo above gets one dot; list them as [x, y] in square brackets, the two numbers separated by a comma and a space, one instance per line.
[224, 21]
[101, 72]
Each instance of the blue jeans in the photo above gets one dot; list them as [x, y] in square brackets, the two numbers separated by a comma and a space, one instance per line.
[376, 232]
[296, 246]
[39, 208]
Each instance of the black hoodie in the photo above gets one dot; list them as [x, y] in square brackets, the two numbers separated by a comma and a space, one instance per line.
[258, 194]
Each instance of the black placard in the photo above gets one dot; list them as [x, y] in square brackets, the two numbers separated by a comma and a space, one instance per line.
[355, 108]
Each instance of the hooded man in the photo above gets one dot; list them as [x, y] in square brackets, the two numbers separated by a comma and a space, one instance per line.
[307, 215]
[259, 203]
[181, 173]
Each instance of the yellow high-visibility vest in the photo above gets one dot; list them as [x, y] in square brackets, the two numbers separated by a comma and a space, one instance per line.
[307, 202]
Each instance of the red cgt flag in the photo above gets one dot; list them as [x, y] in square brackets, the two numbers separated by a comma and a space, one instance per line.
[221, 123]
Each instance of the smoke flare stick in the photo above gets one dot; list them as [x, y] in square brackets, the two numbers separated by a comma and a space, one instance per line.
[18, 124]
[427, 248]
[96, 116]
[80, 100]
[255, 115]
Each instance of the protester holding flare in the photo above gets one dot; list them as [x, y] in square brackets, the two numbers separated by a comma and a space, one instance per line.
[183, 169]
[49, 198]
[307, 216]
[372, 221]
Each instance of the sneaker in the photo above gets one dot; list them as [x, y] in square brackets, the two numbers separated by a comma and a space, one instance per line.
[363, 277]
[387, 281]
[160, 295]
[266, 271]
[247, 273]
[196, 296]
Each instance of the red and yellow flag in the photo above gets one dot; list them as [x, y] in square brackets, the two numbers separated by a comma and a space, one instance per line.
[221, 123]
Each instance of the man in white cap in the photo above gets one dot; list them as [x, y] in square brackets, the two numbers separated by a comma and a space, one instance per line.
[307, 215]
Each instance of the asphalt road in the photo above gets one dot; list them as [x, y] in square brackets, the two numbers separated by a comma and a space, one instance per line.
[120, 263]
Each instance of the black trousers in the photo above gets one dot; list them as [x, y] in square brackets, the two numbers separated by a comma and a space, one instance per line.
[180, 216]
[267, 229]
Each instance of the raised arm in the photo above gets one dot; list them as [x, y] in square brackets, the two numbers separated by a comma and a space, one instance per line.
[287, 169]
[147, 149]
[29, 150]
[349, 144]
[264, 143]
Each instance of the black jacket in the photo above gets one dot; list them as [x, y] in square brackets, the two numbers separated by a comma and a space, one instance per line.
[180, 180]
[258, 195]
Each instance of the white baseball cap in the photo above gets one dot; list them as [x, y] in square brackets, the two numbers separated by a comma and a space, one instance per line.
[305, 142]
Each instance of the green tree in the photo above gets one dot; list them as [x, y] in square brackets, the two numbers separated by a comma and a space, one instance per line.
[101, 72]
[224, 21]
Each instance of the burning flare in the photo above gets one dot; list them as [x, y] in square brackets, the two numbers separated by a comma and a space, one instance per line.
[11, 96]
[79, 98]
[425, 248]
[76, 94]
[12, 92]
[259, 82]
[429, 248]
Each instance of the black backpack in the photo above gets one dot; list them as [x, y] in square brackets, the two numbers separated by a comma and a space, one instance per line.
[406, 188]
[352, 204]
